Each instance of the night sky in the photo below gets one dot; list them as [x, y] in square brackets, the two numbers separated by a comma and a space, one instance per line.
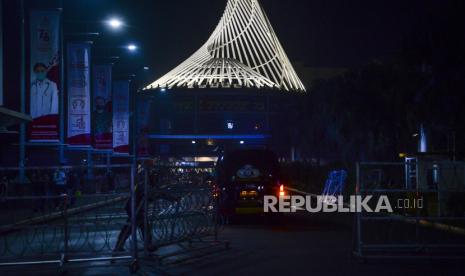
[319, 33]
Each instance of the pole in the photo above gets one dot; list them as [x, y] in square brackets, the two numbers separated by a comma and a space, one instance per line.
[268, 103]
[133, 214]
[90, 164]
[134, 121]
[146, 213]
[358, 187]
[196, 112]
[134, 175]
[22, 129]
[108, 161]
[61, 101]
[65, 199]
[134, 127]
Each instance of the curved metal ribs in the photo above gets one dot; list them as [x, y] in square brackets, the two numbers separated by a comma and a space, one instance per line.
[243, 51]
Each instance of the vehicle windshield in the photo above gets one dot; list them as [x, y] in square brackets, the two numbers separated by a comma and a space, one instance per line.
[248, 166]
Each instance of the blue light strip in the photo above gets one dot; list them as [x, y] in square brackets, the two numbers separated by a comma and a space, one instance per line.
[221, 137]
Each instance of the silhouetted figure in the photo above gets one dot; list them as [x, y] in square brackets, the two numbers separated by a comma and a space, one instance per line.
[140, 214]
[60, 180]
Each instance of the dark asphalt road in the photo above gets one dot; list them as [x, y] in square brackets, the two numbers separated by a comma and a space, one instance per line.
[297, 245]
[310, 245]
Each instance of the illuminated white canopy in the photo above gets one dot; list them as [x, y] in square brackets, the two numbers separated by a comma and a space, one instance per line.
[243, 51]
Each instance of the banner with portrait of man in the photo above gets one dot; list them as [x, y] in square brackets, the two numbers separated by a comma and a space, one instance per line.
[78, 81]
[44, 87]
[102, 114]
[121, 117]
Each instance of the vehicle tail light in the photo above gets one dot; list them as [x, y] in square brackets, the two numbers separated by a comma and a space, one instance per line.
[281, 190]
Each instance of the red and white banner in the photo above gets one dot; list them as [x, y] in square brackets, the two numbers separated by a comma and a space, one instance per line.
[102, 111]
[121, 117]
[44, 72]
[78, 79]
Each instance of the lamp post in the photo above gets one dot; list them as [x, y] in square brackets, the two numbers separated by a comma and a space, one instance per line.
[114, 23]
[22, 130]
[61, 100]
[132, 47]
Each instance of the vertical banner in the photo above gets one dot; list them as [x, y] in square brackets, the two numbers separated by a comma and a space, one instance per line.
[44, 72]
[78, 79]
[102, 111]
[121, 117]
[143, 117]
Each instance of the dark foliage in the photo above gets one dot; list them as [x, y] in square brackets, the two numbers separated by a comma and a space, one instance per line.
[371, 113]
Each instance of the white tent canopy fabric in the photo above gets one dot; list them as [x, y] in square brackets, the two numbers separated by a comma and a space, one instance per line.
[243, 51]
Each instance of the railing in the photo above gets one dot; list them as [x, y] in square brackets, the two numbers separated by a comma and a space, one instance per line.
[88, 218]
[428, 218]
[62, 214]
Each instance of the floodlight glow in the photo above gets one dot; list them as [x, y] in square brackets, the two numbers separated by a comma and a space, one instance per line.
[241, 142]
[132, 47]
[115, 23]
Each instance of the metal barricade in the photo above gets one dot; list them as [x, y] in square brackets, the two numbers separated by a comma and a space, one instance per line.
[182, 213]
[64, 214]
[68, 214]
[428, 218]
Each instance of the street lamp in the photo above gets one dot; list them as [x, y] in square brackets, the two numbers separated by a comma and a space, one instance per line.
[132, 47]
[115, 23]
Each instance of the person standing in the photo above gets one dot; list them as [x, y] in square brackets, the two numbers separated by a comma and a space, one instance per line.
[60, 180]
[140, 196]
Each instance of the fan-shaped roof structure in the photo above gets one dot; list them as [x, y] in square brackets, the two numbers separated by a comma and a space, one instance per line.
[243, 51]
